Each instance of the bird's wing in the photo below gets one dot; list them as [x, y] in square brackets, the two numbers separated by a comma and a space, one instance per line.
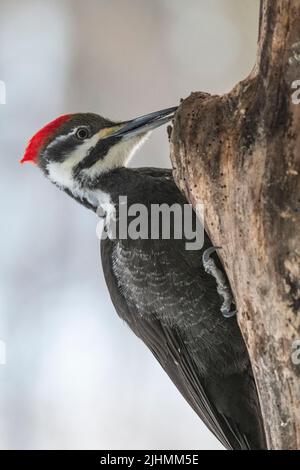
[164, 294]
[168, 348]
[157, 301]
[155, 172]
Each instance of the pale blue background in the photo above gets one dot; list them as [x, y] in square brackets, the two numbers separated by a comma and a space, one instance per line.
[76, 377]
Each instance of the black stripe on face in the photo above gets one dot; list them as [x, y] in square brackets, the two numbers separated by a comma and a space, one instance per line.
[58, 150]
[96, 153]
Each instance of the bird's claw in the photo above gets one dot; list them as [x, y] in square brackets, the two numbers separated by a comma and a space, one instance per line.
[223, 287]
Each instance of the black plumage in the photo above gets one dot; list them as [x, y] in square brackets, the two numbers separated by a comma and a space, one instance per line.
[164, 294]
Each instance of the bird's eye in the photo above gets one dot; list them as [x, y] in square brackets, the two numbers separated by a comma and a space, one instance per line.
[82, 133]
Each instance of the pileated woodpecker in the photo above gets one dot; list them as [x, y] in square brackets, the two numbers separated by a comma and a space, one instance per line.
[157, 286]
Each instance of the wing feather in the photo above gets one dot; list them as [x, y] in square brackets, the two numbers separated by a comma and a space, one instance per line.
[162, 291]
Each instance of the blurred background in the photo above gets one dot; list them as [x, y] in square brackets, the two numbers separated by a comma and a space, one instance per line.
[75, 376]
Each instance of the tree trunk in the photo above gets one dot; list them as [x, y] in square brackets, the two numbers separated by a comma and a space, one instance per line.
[239, 154]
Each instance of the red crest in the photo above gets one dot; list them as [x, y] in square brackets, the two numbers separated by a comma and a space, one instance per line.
[37, 141]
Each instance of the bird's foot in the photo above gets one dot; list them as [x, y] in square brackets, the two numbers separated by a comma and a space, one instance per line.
[223, 286]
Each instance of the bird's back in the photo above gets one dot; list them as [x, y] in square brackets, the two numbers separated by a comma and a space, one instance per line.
[164, 294]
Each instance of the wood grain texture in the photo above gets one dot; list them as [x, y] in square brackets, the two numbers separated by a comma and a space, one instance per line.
[240, 154]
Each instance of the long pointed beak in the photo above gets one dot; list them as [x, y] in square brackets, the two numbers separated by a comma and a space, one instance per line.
[144, 124]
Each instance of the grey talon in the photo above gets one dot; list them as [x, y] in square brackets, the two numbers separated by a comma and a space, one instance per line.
[206, 255]
[223, 286]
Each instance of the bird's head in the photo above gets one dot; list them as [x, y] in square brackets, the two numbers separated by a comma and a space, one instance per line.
[75, 149]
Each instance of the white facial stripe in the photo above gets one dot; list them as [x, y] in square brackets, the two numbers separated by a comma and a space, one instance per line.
[117, 156]
[99, 199]
[61, 173]
[61, 138]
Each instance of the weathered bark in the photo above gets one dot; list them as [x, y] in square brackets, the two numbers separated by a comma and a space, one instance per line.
[239, 154]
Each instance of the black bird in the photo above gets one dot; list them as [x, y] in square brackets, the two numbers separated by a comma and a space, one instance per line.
[157, 286]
